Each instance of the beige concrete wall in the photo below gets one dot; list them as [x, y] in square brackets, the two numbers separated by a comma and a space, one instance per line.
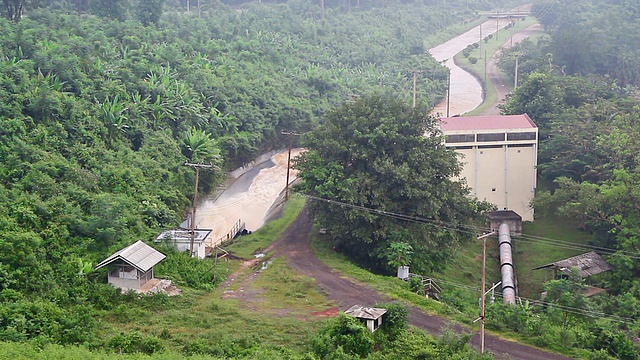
[504, 176]
[521, 178]
[490, 180]
[468, 161]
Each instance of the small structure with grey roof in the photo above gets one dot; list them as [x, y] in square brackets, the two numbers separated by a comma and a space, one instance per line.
[131, 267]
[372, 317]
[586, 265]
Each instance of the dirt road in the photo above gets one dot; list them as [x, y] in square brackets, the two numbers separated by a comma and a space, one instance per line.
[345, 292]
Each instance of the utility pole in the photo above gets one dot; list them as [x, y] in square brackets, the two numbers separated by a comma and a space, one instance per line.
[448, 91]
[415, 78]
[291, 135]
[515, 81]
[322, 9]
[497, 21]
[485, 71]
[415, 82]
[195, 201]
[482, 294]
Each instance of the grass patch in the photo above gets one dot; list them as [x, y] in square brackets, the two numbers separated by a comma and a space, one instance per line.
[530, 253]
[282, 291]
[247, 246]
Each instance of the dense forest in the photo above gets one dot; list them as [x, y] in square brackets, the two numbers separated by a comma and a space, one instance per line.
[101, 104]
[581, 88]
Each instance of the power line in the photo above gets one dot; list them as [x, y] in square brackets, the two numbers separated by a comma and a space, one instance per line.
[564, 308]
[474, 230]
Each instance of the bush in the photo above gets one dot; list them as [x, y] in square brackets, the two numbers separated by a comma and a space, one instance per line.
[473, 59]
[344, 334]
[394, 321]
[135, 342]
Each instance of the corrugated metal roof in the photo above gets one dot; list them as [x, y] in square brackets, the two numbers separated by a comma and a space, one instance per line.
[492, 122]
[363, 312]
[140, 255]
[586, 264]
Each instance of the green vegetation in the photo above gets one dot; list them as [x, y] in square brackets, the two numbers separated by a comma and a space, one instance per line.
[372, 154]
[586, 110]
[102, 103]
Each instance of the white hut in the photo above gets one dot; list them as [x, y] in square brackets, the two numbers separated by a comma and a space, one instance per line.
[131, 267]
[372, 317]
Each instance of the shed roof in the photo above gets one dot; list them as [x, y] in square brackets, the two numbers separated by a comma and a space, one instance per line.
[587, 264]
[363, 312]
[490, 122]
[139, 255]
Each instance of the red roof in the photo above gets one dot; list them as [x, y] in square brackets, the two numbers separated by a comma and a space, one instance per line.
[491, 122]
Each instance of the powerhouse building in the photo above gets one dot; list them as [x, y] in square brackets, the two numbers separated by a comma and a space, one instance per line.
[499, 158]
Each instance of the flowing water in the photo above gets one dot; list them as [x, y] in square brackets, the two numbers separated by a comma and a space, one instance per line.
[247, 199]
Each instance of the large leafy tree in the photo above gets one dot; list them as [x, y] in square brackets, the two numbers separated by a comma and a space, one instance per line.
[378, 153]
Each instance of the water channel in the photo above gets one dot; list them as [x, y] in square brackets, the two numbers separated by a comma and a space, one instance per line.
[466, 91]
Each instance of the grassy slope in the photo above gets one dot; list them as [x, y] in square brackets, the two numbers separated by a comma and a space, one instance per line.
[215, 318]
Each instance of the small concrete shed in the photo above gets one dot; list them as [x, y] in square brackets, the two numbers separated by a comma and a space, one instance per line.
[131, 267]
[181, 239]
[372, 317]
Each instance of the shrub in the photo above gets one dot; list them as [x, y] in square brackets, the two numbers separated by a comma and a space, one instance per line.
[344, 334]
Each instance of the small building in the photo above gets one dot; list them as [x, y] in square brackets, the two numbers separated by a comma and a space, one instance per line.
[181, 239]
[586, 265]
[131, 267]
[499, 157]
[371, 317]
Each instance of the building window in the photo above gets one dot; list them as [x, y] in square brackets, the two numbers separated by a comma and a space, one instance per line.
[491, 137]
[463, 147]
[489, 147]
[458, 138]
[521, 136]
[511, 146]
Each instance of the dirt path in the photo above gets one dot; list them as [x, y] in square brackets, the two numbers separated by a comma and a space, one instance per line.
[345, 292]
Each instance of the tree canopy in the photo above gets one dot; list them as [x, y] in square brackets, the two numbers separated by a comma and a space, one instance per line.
[376, 164]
